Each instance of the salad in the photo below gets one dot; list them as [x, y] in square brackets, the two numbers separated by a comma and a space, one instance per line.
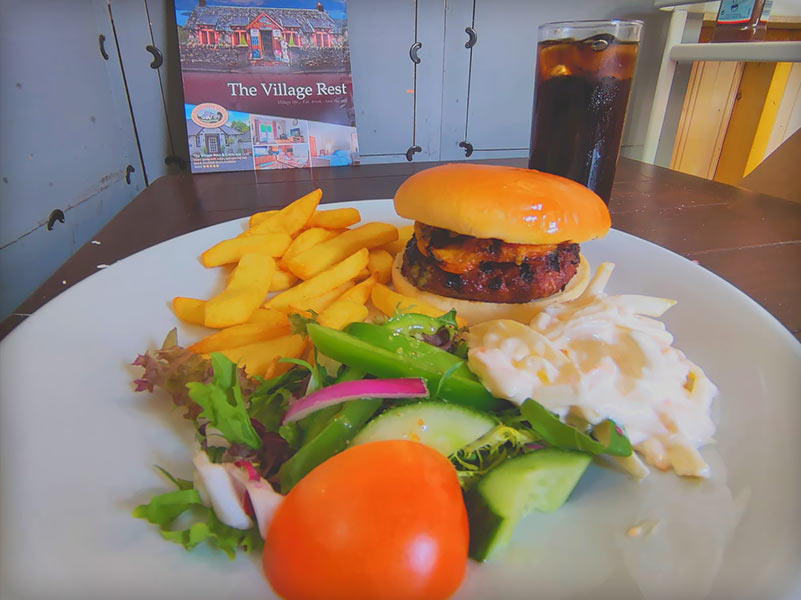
[406, 378]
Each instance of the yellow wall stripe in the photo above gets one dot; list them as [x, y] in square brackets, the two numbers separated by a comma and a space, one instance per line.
[768, 117]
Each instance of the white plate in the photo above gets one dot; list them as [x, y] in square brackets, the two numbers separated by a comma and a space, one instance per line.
[77, 447]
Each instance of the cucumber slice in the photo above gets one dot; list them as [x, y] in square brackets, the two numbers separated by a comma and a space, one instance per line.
[440, 425]
[540, 480]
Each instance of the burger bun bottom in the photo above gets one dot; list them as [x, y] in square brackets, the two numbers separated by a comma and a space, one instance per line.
[477, 312]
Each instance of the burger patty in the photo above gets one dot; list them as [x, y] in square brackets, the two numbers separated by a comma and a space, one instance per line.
[539, 276]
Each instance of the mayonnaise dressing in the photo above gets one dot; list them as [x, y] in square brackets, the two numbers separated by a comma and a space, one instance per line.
[604, 357]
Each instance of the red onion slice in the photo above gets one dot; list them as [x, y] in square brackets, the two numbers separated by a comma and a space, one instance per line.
[409, 387]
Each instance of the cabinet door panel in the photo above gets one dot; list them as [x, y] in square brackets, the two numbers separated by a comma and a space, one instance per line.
[501, 95]
[67, 137]
[161, 14]
[30, 260]
[455, 78]
[428, 121]
[502, 77]
[133, 35]
[380, 34]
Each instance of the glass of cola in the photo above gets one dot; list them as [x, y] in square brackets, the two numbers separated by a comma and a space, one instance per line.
[582, 86]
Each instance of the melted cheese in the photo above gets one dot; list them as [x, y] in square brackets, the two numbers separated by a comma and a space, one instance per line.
[464, 253]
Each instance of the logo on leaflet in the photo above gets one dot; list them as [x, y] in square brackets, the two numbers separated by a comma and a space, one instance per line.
[209, 115]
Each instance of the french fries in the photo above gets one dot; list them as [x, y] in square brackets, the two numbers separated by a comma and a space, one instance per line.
[282, 280]
[337, 218]
[298, 259]
[230, 251]
[304, 241]
[247, 286]
[319, 303]
[323, 282]
[261, 358]
[360, 293]
[380, 265]
[342, 313]
[242, 335]
[191, 310]
[291, 218]
[315, 260]
[388, 301]
[258, 217]
[404, 235]
[266, 315]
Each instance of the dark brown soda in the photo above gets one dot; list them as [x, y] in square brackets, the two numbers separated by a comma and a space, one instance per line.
[582, 90]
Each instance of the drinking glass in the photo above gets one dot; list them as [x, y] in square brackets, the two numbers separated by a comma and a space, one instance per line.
[582, 86]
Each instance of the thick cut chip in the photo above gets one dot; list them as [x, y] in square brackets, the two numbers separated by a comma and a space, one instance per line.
[345, 271]
[241, 335]
[389, 301]
[282, 280]
[261, 358]
[230, 251]
[191, 310]
[266, 315]
[305, 240]
[309, 263]
[337, 218]
[380, 265]
[247, 287]
[342, 313]
[319, 303]
[259, 217]
[404, 235]
[291, 218]
[360, 293]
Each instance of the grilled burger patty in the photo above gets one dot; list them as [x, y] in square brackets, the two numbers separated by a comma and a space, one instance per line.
[486, 270]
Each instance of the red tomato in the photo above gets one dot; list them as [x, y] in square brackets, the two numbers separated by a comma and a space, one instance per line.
[379, 521]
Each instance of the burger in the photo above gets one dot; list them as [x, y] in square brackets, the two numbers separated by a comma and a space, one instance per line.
[495, 242]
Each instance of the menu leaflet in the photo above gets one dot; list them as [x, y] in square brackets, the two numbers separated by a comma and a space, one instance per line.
[267, 84]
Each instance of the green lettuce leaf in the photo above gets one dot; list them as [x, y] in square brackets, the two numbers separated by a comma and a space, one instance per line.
[298, 322]
[181, 484]
[271, 400]
[319, 376]
[223, 404]
[164, 509]
[218, 534]
[477, 458]
[561, 435]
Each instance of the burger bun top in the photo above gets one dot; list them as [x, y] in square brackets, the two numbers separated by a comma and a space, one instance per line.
[521, 206]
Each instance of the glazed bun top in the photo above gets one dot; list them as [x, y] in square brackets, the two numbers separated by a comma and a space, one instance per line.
[515, 205]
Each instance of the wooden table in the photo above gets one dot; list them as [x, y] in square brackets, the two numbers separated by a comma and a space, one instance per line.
[752, 240]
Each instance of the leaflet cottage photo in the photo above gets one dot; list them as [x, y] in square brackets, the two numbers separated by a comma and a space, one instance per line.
[267, 85]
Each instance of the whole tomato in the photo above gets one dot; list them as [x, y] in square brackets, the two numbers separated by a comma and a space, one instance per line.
[378, 521]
